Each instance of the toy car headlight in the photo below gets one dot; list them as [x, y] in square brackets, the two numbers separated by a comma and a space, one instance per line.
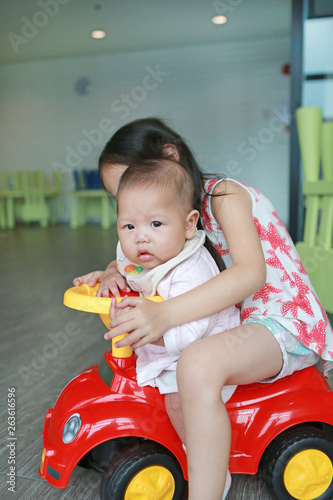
[71, 428]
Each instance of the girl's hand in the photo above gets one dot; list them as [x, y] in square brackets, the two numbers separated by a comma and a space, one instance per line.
[144, 321]
[89, 279]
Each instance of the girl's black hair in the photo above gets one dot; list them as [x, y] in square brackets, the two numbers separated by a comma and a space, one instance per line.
[145, 139]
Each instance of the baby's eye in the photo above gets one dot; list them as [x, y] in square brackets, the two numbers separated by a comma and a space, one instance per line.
[156, 223]
[129, 226]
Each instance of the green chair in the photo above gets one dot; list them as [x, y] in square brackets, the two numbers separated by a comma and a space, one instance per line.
[34, 208]
[25, 195]
[52, 194]
[316, 249]
[11, 194]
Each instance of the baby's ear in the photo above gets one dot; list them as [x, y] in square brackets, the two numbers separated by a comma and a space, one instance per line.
[191, 223]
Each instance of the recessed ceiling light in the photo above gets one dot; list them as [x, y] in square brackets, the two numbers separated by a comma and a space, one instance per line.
[219, 19]
[98, 34]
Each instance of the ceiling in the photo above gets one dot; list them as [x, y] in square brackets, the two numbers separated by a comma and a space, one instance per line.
[43, 29]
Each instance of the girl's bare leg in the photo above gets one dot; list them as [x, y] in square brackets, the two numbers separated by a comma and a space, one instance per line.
[243, 355]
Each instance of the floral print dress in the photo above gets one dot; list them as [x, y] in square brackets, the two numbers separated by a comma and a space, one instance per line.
[288, 295]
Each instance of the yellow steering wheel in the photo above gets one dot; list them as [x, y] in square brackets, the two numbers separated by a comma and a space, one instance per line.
[83, 298]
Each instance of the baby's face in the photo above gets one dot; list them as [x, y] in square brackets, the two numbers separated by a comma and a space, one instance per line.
[152, 226]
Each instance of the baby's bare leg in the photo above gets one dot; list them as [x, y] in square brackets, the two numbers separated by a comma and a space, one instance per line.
[175, 414]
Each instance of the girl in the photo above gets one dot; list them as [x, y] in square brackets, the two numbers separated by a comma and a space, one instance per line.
[284, 327]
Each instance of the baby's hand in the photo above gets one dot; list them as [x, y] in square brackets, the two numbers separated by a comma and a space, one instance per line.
[89, 279]
[113, 282]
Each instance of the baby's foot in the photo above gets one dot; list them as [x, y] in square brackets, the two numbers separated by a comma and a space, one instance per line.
[227, 485]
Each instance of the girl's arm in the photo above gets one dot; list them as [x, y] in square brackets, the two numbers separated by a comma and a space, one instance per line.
[147, 321]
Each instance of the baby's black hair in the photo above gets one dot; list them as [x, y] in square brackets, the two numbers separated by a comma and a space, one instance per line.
[164, 174]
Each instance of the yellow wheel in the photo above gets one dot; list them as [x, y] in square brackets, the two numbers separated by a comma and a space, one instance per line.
[308, 474]
[154, 482]
[143, 471]
[298, 465]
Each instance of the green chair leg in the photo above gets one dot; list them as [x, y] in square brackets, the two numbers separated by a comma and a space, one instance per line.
[10, 213]
[106, 220]
[75, 223]
[2, 214]
[309, 125]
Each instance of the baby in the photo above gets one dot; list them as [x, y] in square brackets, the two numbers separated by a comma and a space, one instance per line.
[160, 251]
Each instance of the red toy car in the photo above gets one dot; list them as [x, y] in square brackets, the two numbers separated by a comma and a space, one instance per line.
[103, 419]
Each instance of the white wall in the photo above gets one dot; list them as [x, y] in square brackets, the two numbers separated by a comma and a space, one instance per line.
[227, 100]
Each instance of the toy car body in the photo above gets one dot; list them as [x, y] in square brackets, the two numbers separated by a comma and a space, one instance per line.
[102, 417]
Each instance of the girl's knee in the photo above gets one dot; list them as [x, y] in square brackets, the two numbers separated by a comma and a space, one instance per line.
[193, 368]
